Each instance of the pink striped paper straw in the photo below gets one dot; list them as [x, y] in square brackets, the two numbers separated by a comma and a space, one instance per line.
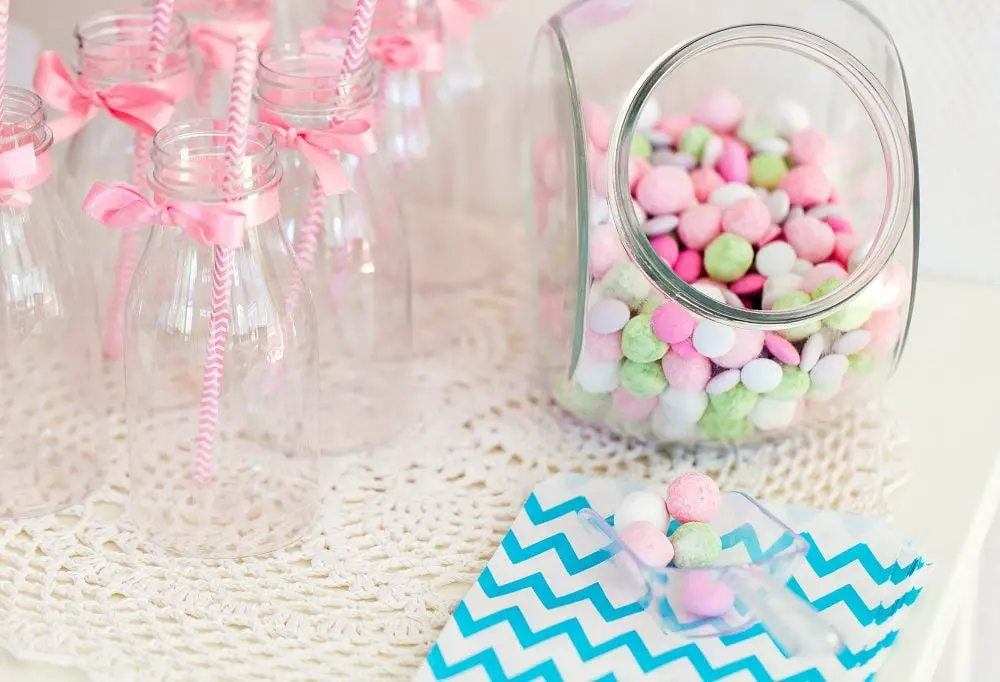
[128, 247]
[237, 125]
[4, 22]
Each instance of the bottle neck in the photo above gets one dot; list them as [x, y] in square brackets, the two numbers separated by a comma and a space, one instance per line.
[24, 122]
[889, 129]
[114, 47]
[307, 88]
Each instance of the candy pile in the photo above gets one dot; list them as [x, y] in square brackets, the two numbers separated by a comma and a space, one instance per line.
[743, 209]
[642, 520]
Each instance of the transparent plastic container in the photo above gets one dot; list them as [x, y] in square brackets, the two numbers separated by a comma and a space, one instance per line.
[112, 49]
[249, 485]
[54, 447]
[759, 554]
[645, 323]
[356, 255]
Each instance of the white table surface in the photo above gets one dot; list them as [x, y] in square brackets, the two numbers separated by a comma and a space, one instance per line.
[947, 398]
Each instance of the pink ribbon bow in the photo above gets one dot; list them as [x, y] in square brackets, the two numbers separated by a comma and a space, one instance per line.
[123, 206]
[409, 52]
[20, 170]
[216, 40]
[321, 147]
[144, 108]
[458, 15]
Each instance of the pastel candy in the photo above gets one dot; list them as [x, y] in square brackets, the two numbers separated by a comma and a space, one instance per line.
[705, 181]
[772, 414]
[641, 379]
[782, 349]
[598, 377]
[821, 274]
[598, 123]
[812, 239]
[809, 147]
[639, 343]
[683, 406]
[754, 130]
[728, 257]
[642, 506]
[688, 265]
[605, 249]
[687, 373]
[747, 345]
[608, 316]
[749, 218]
[807, 185]
[768, 170]
[665, 189]
[705, 596]
[734, 403]
[794, 385]
[666, 248]
[648, 544]
[694, 139]
[693, 496]
[712, 339]
[603, 347]
[696, 545]
[673, 125]
[721, 427]
[699, 225]
[885, 327]
[719, 109]
[671, 323]
[627, 283]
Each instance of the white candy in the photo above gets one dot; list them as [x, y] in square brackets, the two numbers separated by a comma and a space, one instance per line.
[789, 117]
[812, 351]
[883, 292]
[802, 267]
[769, 414]
[681, 160]
[722, 382]
[730, 193]
[713, 292]
[642, 506]
[660, 225]
[596, 293]
[732, 299]
[608, 316]
[824, 211]
[666, 428]
[661, 157]
[761, 375]
[852, 342]
[829, 370]
[780, 285]
[773, 146]
[640, 212]
[683, 406]
[778, 205]
[598, 377]
[822, 392]
[858, 255]
[794, 213]
[659, 139]
[599, 211]
[774, 259]
[713, 340]
[649, 115]
[712, 152]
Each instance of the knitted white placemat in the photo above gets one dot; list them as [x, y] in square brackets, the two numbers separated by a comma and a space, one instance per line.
[402, 531]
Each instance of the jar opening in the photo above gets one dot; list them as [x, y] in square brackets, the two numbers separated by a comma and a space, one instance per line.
[114, 47]
[189, 162]
[300, 82]
[888, 134]
[24, 121]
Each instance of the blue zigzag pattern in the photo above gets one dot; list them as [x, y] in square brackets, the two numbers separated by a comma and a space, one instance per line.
[646, 661]
[863, 555]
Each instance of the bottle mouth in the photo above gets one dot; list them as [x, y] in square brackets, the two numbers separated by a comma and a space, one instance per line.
[892, 137]
[114, 46]
[189, 161]
[306, 81]
[24, 121]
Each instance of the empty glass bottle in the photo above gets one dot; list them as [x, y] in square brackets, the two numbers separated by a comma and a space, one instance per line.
[53, 427]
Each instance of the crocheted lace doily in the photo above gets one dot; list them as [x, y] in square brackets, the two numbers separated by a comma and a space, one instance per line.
[402, 532]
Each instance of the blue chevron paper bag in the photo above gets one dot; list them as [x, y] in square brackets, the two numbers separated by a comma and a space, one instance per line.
[550, 605]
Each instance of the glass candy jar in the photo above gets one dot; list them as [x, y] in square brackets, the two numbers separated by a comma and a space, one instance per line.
[219, 466]
[109, 117]
[346, 224]
[53, 429]
[727, 251]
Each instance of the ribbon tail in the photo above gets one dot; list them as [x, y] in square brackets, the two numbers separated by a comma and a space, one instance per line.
[329, 171]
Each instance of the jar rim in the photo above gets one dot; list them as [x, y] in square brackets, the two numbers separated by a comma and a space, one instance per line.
[128, 28]
[24, 119]
[889, 126]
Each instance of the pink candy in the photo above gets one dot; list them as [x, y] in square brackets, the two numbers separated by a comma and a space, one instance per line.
[688, 266]
[748, 218]
[665, 189]
[773, 232]
[809, 147]
[597, 171]
[666, 248]
[748, 284]
[693, 497]
[671, 323]
[637, 169]
[720, 110]
[705, 182]
[687, 373]
[648, 543]
[806, 186]
[685, 349]
[632, 408]
[598, 123]
[705, 596]
[699, 225]
[674, 126]
[603, 347]
[812, 239]
[823, 273]
[885, 327]
[781, 348]
[844, 245]
[605, 250]
[749, 344]
[734, 164]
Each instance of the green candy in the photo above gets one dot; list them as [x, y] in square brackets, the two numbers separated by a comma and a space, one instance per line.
[767, 169]
[641, 147]
[735, 403]
[826, 288]
[794, 384]
[649, 306]
[821, 392]
[728, 257]
[719, 427]
[862, 363]
[796, 299]
[696, 544]
[754, 130]
[626, 283]
[639, 344]
[587, 406]
[643, 379]
[694, 139]
[852, 316]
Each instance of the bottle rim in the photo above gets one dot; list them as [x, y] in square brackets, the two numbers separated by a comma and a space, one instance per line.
[878, 105]
[107, 44]
[24, 121]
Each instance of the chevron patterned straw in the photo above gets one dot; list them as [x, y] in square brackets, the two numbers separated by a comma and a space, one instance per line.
[4, 21]
[128, 247]
[237, 124]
